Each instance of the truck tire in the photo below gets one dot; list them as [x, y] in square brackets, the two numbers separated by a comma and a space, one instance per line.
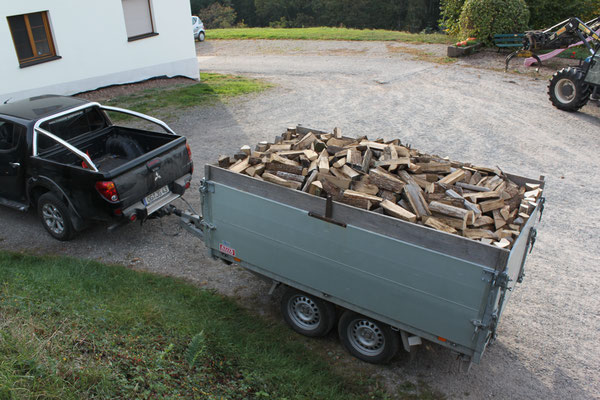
[367, 339]
[307, 314]
[54, 215]
[124, 147]
[567, 90]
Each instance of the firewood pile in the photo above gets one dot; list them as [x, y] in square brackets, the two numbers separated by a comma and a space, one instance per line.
[386, 177]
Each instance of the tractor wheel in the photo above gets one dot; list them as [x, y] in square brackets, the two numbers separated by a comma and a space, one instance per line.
[567, 90]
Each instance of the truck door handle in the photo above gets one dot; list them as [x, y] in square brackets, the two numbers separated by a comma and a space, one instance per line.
[14, 164]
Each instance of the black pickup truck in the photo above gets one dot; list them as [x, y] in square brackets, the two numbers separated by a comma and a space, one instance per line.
[64, 156]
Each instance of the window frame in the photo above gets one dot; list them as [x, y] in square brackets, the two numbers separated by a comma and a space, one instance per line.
[152, 25]
[27, 62]
[16, 133]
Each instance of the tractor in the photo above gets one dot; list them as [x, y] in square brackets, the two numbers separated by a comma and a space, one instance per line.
[571, 87]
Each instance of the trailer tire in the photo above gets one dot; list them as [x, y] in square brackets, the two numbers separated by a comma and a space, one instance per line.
[567, 90]
[367, 339]
[55, 216]
[307, 314]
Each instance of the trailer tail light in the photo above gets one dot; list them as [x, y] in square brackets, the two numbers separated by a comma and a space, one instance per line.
[189, 150]
[108, 190]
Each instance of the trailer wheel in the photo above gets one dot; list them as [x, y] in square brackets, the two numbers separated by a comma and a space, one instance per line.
[307, 314]
[567, 90]
[367, 339]
[55, 217]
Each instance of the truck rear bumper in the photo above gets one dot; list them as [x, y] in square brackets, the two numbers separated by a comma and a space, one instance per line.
[142, 211]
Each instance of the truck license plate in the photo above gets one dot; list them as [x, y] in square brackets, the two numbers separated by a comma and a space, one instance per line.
[151, 198]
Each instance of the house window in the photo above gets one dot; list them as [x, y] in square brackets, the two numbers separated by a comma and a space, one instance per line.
[32, 38]
[138, 19]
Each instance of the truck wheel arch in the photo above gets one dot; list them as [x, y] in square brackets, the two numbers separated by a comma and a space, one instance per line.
[36, 187]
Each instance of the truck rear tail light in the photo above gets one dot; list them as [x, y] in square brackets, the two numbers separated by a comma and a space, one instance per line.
[189, 150]
[187, 185]
[108, 190]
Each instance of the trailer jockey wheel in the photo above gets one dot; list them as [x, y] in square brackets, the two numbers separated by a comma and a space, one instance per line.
[367, 339]
[307, 314]
[567, 90]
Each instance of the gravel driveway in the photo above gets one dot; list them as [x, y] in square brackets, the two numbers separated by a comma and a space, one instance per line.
[548, 342]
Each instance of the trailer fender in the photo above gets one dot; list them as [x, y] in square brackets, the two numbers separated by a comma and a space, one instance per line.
[34, 187]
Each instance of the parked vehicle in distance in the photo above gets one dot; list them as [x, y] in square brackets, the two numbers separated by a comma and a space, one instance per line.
[198, 28]
[65, 157]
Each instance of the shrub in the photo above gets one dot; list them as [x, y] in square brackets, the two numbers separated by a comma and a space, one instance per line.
[217, 16]
[547, 13]
[485, 18]
[450, 13]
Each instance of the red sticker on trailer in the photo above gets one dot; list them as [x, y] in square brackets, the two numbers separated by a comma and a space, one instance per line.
[225, 248]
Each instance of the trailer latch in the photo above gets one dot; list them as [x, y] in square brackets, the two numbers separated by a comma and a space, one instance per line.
[542, 202]
[328, 213]
[502, 280]
[478, 325]
[206, 187]
[532, 237]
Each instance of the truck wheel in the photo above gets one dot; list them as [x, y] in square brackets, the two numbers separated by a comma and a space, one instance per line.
[567, 90]
[307, 314]
[55, 216]
[367, 339]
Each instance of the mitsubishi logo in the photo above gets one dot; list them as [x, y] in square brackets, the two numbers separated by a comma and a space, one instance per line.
[156, 176]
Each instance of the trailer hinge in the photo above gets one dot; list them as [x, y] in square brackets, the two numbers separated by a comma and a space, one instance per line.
[542, 201]
[206, 186]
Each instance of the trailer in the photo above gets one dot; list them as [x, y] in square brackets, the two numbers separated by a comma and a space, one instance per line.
[391, 283]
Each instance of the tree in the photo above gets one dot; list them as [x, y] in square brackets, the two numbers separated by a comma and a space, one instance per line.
[217, 16]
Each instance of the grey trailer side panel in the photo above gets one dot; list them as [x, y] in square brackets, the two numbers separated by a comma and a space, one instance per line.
[421, 288]
[452, 245]
[442, 287]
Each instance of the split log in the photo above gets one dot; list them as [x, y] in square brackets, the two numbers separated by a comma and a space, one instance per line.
[292, 169]
[452, 211]
[453, 177]
[280, 181]
[340, 183]
[351, 173]
[224, 161]
[474, 188]
[386, 181]
[397, 211]
[414, 197]
[364, 185]
[239, 166]
[439, 225]
[358, 195]
[491, 205]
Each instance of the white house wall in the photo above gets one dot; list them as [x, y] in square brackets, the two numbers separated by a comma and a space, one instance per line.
[91, 38]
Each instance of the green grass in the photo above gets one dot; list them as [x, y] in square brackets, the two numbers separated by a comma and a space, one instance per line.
[212, 88]
[72, 329]
[324, 33]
